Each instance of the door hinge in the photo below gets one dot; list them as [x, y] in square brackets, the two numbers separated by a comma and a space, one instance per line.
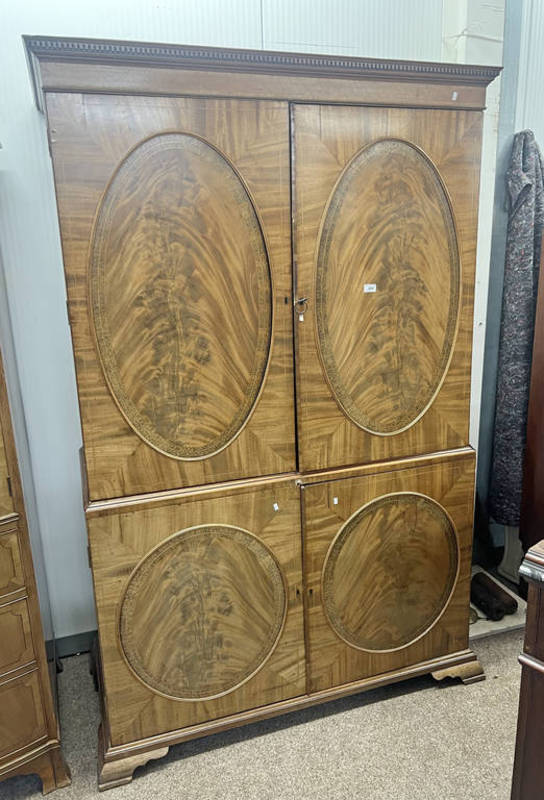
[89, 556]
[10, 490]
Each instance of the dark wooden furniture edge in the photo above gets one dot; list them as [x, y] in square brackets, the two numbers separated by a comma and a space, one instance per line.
[532, 567]
[531, 525]
[528, 773]
[116, 764]
[101, 52]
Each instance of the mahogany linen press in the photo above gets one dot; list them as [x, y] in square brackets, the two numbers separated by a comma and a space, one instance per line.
[269, 265]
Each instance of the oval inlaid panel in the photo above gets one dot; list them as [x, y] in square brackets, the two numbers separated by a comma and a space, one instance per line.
[181, 296]
[202, 612]
[390, 572]
[388, 287]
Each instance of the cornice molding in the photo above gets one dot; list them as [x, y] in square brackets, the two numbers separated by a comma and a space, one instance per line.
[102, 51]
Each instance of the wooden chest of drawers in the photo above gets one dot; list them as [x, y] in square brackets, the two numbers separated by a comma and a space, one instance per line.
[29, 733]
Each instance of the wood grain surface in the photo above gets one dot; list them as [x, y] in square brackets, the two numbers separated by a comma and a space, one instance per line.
[100, 65]
[387, 287]
[133, 503]
[202, 612]
[22, 720]
[390, 571]
[15, 636]
[11, 564]
[369, 210]
[188, 281]
[382, 564]
[179, 213]
[181, 296]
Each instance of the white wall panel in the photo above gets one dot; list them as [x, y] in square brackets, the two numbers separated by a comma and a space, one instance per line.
[483, 44]
[530, 104]
[23, 456]
[29, 237]
[377, 28]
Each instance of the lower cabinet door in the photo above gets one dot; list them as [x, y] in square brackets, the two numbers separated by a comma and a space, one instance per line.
[199, 600]
[387, 558]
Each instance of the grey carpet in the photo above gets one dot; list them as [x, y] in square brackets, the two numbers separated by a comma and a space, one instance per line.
[411, 741]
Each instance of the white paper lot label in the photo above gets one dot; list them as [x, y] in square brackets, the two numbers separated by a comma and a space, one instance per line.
[369, 287]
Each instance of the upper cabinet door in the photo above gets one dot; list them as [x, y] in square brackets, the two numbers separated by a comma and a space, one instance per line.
[385, 209]
[175, 223]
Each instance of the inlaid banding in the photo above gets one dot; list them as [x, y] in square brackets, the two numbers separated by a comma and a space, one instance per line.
[390, 572]
[181, 296]
[202, 612]
[388, 283]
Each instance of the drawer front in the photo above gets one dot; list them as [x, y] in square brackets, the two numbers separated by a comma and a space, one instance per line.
[6, 500]
[11, 565]
[22, 720]
[15, 636]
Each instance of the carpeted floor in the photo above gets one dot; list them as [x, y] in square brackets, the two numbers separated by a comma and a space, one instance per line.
[411, 741]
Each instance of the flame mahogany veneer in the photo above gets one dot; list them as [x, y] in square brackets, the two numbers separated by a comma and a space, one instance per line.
[269, 264]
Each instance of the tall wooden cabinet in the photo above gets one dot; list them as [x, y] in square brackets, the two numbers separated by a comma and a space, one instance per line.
[269, 264]
[29, 730]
